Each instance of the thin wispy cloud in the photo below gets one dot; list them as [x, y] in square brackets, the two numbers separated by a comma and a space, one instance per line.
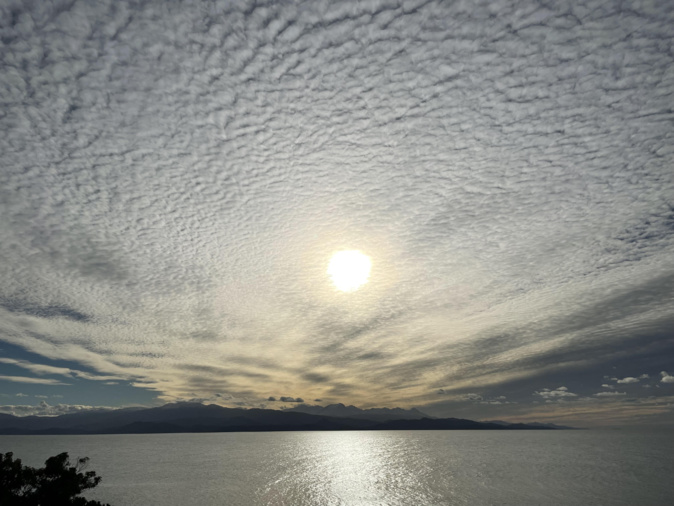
[175, 182]
[34, 381]
[41, 369]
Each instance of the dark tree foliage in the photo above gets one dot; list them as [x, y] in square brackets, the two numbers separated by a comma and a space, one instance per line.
[58, 483]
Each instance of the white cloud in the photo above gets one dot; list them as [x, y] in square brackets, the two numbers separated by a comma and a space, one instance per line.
[666, 378]
[559, 393]
[610, 394]
[628, 380]
[608, 386]
[479, 399]
[644, 376]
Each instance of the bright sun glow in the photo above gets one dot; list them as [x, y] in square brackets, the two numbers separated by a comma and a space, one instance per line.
[349, 270]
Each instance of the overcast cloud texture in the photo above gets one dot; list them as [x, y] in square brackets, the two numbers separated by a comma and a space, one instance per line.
[174, 178]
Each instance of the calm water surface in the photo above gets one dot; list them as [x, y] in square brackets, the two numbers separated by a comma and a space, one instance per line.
[371, 468]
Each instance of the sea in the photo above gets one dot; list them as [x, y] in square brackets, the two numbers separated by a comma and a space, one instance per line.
[406, 468]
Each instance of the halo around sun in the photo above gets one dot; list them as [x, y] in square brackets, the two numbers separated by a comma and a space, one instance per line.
[349, 270]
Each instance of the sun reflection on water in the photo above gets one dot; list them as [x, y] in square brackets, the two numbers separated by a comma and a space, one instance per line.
[334, 468]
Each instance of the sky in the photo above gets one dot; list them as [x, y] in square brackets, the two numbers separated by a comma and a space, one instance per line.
[176, 177]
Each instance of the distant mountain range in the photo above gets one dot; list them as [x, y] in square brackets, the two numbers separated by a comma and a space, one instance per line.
[374, 414]
[196, 417]
[533, 424]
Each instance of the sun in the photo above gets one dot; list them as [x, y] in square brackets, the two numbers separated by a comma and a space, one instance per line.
[349, 270]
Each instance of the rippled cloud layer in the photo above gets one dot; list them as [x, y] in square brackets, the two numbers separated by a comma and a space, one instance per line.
[176, 177]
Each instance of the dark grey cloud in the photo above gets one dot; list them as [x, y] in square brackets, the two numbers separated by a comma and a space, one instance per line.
[291, 399]
[315, 378]
[44, 311]
[175, 180]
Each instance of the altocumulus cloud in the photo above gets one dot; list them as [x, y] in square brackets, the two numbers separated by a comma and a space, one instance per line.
[175, 179]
